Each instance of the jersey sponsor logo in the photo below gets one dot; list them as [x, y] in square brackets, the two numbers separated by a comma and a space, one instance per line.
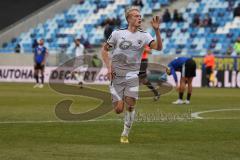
[140, 42]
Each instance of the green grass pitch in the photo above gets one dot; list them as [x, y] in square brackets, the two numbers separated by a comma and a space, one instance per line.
[30, 130]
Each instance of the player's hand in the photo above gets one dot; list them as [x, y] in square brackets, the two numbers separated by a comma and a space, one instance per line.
[109, 74]
[155, 22]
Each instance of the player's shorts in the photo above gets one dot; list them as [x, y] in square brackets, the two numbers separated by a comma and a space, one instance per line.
[189, 69]
[143, 69]
[208, 70]
[39, 66]
[121, 87]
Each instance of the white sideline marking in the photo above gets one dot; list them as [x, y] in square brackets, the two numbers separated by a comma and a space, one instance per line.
[57, 121]
[196, 114]
[193, 115]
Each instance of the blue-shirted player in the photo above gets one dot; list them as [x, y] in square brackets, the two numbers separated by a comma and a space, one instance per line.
[187, 67]
[40, 54]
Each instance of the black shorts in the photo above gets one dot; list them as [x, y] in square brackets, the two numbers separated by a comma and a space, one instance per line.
[143, 68]
[189, 69]
[208, 70]
[39, 66]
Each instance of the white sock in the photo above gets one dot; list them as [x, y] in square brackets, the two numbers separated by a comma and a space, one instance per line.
[128, 121]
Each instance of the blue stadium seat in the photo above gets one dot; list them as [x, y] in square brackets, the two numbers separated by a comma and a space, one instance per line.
[61, 29]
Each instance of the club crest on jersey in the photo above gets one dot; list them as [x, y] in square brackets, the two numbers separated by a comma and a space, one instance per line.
[39, 51]
[124, 45]
[139, 42]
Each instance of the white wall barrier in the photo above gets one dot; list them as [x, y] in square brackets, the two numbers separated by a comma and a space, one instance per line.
[26, 74]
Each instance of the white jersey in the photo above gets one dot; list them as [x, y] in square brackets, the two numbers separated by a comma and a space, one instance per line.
[79, 50]
[127, 50]
[79, 53]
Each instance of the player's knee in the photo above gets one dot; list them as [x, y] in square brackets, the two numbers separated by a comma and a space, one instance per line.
[130, 101]
[190, 84]
[190, 88]
[130, 108]
[181, 88]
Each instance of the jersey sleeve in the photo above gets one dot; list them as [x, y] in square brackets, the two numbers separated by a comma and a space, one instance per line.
[173, 72]
[112, 40]
[148, 39]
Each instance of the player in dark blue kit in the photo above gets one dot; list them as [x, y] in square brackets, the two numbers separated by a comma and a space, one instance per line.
[40, 54]
[187, 67]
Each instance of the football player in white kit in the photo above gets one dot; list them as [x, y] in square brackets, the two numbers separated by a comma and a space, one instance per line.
[123, 66]
[79, 54]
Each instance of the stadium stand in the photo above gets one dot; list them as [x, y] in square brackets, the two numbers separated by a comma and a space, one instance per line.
[179, 38]
[183, 38]
[60, 31]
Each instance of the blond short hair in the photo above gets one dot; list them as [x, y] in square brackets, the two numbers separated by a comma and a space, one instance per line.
[130, 9]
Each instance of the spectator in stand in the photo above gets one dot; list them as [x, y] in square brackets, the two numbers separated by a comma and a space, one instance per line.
[177, 17]
[207, 21]
[236, 12]
[104, 22]
[138, 3]
[229, 51]
[166, 16]
[108, 29]
[17, 48]
[236, 46]
[118, 21]
[180, 17]
[81, 1]
[196, 21]
[97, 2]
[85, 42]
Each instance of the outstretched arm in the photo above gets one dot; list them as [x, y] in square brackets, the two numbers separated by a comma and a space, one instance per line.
[157, 45]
